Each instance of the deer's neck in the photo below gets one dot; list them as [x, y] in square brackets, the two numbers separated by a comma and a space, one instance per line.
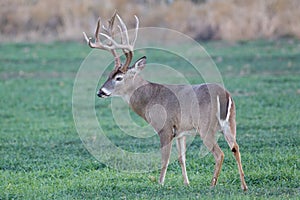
[142, 95]
[137, 83]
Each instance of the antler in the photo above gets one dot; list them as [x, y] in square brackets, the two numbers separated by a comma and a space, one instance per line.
[112, 45]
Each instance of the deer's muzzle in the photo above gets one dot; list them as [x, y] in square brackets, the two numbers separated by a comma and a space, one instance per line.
[102, 93]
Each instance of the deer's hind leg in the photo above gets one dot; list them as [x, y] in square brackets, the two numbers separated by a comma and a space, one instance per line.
[229, 131]
[210, 141]
[219, 157]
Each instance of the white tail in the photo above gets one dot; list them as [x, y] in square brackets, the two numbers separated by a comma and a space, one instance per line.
[206, 108]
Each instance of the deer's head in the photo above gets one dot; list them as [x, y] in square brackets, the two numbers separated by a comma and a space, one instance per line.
[122, 77]
[120, 82]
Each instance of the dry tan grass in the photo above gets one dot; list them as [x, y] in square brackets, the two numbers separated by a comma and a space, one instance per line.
[41, 20]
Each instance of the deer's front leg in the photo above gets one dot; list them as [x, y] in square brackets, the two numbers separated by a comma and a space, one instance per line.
[166, 146]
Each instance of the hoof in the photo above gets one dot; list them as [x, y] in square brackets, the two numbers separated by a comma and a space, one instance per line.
[214, 182]
[186, 183]
[244, 188]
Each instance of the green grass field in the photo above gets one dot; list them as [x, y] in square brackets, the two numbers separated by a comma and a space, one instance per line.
[42, 156]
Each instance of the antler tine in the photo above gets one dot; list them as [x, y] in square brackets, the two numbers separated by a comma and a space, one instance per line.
[109, 29]
[136, 30]
[88, 39]
[110, 32]
[97, 30]
[124, 29]
[111, 23]
[135, 35]
[129, 50]
[128, 59]
[97, 44]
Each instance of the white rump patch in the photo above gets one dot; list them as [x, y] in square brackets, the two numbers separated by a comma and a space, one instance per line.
[223, 123]
[229, 108]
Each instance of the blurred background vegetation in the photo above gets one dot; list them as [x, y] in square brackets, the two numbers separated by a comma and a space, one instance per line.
[43, 20]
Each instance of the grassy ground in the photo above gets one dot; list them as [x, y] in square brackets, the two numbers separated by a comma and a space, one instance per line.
[42, 156]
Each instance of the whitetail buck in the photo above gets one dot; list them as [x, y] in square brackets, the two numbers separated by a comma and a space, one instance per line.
[206, 108]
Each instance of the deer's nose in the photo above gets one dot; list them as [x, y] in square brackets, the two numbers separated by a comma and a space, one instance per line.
[100, 93]
[103, 93]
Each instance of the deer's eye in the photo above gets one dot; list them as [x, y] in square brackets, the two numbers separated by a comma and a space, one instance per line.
[119, 78]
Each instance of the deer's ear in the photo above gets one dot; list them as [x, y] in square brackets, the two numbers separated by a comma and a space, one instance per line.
[139, 65]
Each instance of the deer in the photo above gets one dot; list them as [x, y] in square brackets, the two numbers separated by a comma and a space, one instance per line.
[172, 110]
